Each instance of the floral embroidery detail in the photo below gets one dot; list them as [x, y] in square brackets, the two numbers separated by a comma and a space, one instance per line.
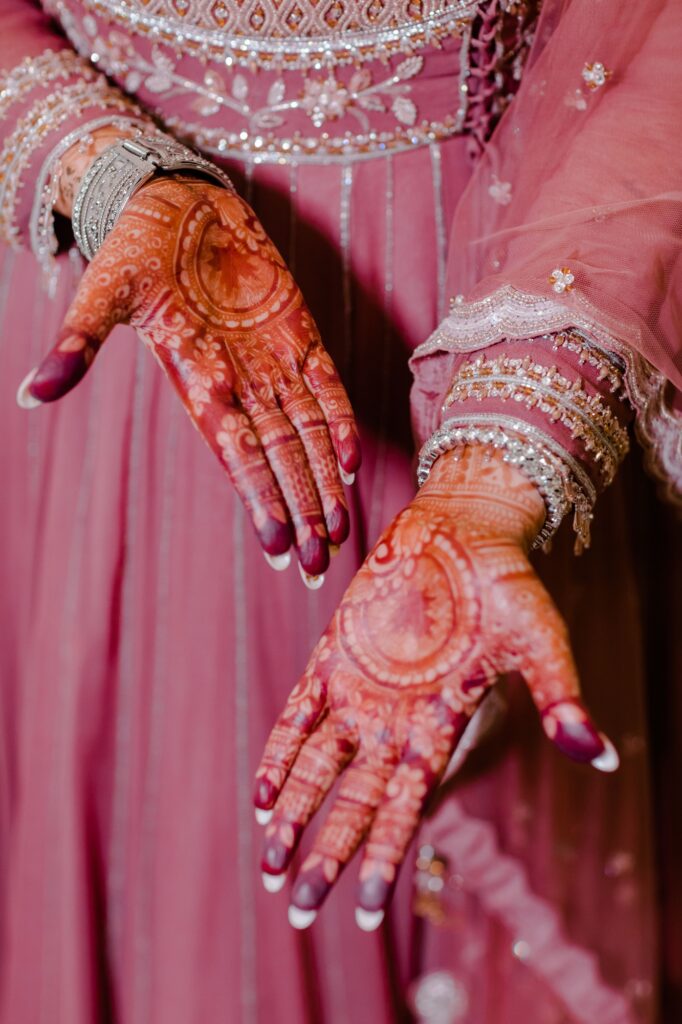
[328, 99]
[324, 100]
[501, 191]
[595, 75]
[561, 280]
[222, 86]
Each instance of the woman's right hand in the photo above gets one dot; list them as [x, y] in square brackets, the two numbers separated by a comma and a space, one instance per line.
[190, 267]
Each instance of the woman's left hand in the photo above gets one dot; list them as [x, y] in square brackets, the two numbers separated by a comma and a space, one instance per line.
[445, 603]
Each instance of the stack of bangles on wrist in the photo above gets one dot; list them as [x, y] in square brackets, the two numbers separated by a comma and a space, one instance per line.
[116, 175]
[564, 479]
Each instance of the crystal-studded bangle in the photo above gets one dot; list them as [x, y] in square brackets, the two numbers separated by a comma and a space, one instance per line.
[609, 366]
[116, 175]
[559, 478]
[541, 387]
[44, 242]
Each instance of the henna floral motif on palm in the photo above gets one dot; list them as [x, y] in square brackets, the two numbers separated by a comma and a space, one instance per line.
[189, 265]
[445, 604]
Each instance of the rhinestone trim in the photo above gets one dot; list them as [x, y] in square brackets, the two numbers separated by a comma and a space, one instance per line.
[114, 177]
[357, 36]
[44, 117]
[542, 387]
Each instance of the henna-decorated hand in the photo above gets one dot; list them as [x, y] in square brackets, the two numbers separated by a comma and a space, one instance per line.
[445, 603]
[190, 267]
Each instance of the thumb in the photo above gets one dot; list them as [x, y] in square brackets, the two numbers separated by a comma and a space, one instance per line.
[101, 301]
[61, 369]
[546, 661]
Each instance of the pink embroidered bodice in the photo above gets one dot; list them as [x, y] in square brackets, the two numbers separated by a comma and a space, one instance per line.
[320, 81]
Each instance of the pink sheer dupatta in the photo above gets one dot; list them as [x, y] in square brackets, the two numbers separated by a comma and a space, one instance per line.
[583, 176]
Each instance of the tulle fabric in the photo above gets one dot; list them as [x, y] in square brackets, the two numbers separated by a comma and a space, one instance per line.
[593, 176]
[586, 180]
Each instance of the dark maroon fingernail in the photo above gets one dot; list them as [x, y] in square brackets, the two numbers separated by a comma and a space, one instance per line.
[275, 537]
[310, 890]
[314, 556]
[338, 524]
[276, 853]
[350, 455]
[265, 795]
[374, 893]
[569, 728]
[60, 372]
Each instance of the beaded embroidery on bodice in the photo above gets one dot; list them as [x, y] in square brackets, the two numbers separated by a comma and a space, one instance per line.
[291, 34]
[282, 19]
[369, 77]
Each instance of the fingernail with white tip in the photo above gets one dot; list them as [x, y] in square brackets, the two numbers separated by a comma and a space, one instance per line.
[348, 478]
[273, 883]
[25, 399]
[263, 817]
[278, 562]
[608, 761]
[311, 582]
[368, 920]
[301, 918]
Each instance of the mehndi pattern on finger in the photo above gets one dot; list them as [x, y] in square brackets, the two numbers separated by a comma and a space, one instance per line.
[445, 604]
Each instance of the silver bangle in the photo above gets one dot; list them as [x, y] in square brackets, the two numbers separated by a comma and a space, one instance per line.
[559, 478]
[116, 175]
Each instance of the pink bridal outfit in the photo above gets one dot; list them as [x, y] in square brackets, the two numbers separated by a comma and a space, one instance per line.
[443, 176]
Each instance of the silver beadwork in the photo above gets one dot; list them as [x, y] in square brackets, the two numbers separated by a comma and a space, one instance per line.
[357, 32]
[542, 387]
[115, 176]
[559, 478]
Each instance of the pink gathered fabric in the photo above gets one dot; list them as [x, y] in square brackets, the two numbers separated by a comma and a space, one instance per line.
[584, 180]
[146, 647]
[593, 177]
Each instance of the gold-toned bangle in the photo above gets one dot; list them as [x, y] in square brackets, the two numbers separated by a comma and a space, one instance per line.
[609, 367]
[536, 386]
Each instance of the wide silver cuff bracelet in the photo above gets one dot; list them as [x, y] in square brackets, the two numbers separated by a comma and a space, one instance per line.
[116, 175]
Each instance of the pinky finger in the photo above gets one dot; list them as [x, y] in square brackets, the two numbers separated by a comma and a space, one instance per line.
[325, 384]
[302, 712]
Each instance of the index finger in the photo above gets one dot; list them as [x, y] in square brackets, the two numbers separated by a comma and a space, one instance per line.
[301, 714]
